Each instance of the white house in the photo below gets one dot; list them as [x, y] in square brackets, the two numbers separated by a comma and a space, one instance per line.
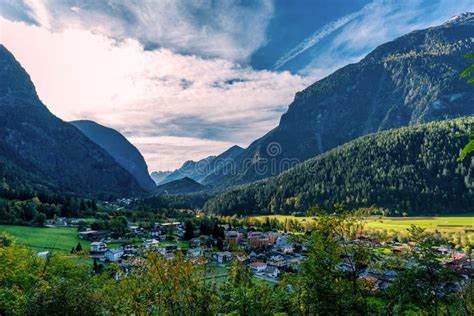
[194, 252]
[258, 266]
[282, 241]
[272, 272]
[114, 254]
[98, 249]
[222, 256]
[151, 243]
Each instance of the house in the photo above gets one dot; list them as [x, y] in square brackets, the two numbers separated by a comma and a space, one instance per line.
[282, 241]
[258, 266]
[92, 235]
[272, 272]
[114, 254]
[232, 237]
[43, 254]
[97, 250]
[222, 256]
[129, 249]
[171, 248]
[259, 239]
[442, 250]
[195, 242]
[151, 243]
[373, 284]
[194, 252]
[397, 250]
[456, 259]
[278, 261]
[155, 232]
[287, 249]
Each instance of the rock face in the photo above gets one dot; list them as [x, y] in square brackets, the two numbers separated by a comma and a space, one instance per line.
[41, 147]
[120, 149]
[411, 80]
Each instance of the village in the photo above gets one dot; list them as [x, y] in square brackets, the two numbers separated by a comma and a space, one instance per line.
[268, 254]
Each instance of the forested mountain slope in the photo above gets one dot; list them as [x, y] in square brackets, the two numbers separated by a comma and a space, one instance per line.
[412, 169]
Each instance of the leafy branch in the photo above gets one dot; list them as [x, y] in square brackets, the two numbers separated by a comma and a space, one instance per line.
[470, 70]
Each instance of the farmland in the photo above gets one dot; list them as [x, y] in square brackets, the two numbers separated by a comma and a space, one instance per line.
[445, 224]
[45, 238]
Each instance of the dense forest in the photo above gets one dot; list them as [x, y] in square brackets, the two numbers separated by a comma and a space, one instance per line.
[412, 169]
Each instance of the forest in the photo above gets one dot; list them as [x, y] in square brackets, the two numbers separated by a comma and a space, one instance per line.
[413, 170]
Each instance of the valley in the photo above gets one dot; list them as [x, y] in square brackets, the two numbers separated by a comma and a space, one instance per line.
[159, 174]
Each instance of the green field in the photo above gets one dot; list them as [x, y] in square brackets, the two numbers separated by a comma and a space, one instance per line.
[219, 275]
[446, 224]
[58, 238]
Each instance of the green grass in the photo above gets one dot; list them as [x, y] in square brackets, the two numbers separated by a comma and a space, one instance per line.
[58, 238]
[441, 223]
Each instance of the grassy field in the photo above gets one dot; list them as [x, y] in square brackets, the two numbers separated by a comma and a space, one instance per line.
[463, 223]
[60, 239]
[219, 275]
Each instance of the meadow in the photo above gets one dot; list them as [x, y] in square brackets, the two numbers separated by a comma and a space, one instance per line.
[45, 238]
[444, 224]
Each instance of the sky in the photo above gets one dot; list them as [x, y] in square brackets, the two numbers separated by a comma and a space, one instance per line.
[187, 79]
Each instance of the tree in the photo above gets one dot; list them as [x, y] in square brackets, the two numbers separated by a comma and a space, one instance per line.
[466, 74]
[420, 285]
[78, 247]
[188, 230]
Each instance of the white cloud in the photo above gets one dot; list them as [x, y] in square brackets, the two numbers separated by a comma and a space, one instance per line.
[205, 104]
[382, 22]
[224, 29]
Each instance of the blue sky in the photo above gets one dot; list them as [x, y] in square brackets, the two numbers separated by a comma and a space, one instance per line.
[187, 79]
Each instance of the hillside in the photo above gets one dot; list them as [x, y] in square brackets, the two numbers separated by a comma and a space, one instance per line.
[412, 169]
[180, 186]
[40, 151]
[120, 149]
[411, 80]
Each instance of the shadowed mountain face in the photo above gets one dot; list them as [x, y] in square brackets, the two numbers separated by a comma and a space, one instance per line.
[120, 149]
[40, 151]
[411, 80]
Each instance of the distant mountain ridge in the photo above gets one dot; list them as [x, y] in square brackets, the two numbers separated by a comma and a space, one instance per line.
[201, 169]
[41, 152]
[411, 169]
[411, 80]
[185, 185]
[119, 148]
[159, 176]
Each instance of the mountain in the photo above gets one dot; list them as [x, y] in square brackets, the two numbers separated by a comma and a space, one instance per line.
[180, 186]
[411, 80]
[201, 169]
[412, 169]
[120, 149]
[159, 176]
[41, 152]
